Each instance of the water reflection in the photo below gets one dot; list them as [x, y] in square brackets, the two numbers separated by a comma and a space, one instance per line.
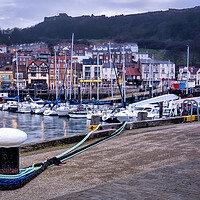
[39, 127]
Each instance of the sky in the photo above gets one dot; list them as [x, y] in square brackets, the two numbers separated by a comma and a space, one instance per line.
[26, 13]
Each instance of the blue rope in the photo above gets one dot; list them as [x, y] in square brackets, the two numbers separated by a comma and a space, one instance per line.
[9, 180]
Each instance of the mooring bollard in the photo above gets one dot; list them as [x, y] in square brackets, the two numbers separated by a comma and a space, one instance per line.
[10, 140]
[95, 121]
[142, 116]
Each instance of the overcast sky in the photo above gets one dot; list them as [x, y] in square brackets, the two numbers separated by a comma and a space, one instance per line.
[25, 13]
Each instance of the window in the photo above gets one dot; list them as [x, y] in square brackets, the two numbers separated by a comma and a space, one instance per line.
[87, 74]
[33, 68]
[97, 69]
[43, 74]
[20, 75]
[51, 76]
[52, 71]
[87, 69]
[43, 68]
[51, 65]
[129, 77]
[33, 74]
[97, 74]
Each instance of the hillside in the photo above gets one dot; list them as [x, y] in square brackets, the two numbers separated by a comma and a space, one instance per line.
[172, 29]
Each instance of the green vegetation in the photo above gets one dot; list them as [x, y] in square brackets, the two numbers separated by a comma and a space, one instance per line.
[170, 30]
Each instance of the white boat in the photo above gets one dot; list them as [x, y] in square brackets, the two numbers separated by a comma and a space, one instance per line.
[78, 112]
[24, 107]
[40, 110]
[63, 111]
[10, 105]
[50, 111]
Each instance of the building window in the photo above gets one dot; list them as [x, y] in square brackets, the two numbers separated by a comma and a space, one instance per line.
[87, 74]
[43, 68]
[20, 75]
[33, 68]
[97, 69]
[51, 76]
[87, 69]
[52, 71]
[97, 74]
[43, 74]
[33, 74]
[51, 65]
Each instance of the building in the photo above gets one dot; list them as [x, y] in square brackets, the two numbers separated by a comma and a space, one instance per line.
[92, 71]
[41, 54]
[132, 76]
[193, 74]
[56, 74]
[6, 59]
[6, 79]
[154, 71]
[3, 48]
[28, 47]
[140, 55]
[116, 55]
[38, 74]
[109, 72]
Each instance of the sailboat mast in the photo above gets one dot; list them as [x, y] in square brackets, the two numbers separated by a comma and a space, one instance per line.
[70, 92]
[56, 74]
[75, 81]
[111, 76]
[17, 74]
[187, 69]
[66, 95]
[124, 87]
[98, 72]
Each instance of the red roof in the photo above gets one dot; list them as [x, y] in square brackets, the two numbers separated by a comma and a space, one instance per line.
[36, 62]
[132, 71]
[3, 45]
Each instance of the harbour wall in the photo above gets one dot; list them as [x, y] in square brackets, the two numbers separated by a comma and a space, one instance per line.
[104, 130]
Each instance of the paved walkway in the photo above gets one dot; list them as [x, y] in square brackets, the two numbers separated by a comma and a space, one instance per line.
[149, 163]
[180, 181]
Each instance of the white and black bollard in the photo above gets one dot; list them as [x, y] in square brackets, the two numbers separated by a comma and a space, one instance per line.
[10, 140]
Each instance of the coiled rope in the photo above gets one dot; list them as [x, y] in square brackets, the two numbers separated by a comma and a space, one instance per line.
[11, 182]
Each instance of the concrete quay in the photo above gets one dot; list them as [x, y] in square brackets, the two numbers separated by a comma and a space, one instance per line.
[158, 162]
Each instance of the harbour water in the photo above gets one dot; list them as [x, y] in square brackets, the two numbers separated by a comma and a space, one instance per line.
[40, 127]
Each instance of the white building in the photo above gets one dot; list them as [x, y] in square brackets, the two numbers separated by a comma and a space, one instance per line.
[155, 70]
[109, 72]
[3, 48]
[92, 70]
[193, 74]
[140, 56]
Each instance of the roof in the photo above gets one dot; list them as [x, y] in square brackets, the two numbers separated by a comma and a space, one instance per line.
[132, 71]
[190, 68]
[148, 61]
[36, 62]
[41, 49]
[3, 45]
[107, 65]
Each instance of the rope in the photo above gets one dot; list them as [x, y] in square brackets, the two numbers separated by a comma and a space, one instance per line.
[11, 182]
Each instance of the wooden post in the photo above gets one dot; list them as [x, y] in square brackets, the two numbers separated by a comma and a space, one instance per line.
[160, 109]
